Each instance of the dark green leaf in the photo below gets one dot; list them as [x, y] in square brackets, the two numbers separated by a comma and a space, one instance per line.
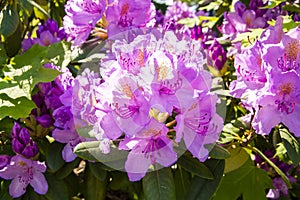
[159, 185]
[4, 194]
[291, 144]
[91, 151]
[94, 188]
[67, 169]
[98, 171]
[219, 152]
[182, 181]
[57, 189]
[119, 181]
[9, 21]
[248, 181]
[54, 158]
[203, 189]
[195, 166]
[12, 43]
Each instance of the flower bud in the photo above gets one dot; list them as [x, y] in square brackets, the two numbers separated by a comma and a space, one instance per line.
[22, 143]
[216, 59]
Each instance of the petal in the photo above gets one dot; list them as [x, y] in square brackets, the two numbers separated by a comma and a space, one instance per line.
[166, 156]
[68, 154]
[17, 188]
[266, 119]
[137, 165]
[39, 183]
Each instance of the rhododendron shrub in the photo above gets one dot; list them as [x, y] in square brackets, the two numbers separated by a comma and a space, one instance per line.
[119, 99]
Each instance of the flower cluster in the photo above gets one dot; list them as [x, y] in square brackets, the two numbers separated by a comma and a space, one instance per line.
[268, 77]
[154, 78]
[21, 168]
[114, 16]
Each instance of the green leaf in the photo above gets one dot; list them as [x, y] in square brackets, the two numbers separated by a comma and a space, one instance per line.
[94, 188]
[9, 21]
[60, 53]
[91, 151]
[54, 158]
[203, 189]
[248, 181]
[219, 152]
[4, 193]
[251, 36]
[98, 171]
[238, 157]
[272, 4]
[15, 108]
[12, 43]
[57, 189]
[67, 169]
[32, 57]
[291, 144]
[159, 185]
[182, 181]
[119, 181]
[194, 166]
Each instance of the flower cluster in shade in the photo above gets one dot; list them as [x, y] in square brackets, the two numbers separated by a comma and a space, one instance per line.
[280, 187]
[268, 79]
[53, 98]
[82, 16]
[47, 33]
[146, 81]
[21, 168]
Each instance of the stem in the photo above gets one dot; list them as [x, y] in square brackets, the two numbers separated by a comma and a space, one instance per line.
[283, 176]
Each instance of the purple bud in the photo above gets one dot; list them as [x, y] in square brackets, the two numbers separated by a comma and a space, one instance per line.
[45, 120]
[4, 160]
[31, 150]
[240, 8]
[216, 57]
[17, 146]
[22, 143]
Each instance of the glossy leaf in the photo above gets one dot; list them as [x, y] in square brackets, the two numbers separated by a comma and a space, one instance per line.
[54, 158]
[159, 185]
[195, 166]
[203, 189]
[291, 144]
[57, 189]
[91, 151]
[238, 157]
[9, 21]
[219, 152]
[67, 169]
[247, 181]
[94, 188]
[182, 180]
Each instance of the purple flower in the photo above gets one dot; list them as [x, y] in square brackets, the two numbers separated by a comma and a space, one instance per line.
[47, 34]
[22, 143]
[149, 146]
[199, 125]
[81, 17]
[124, 15]
[279, 104]
[4, 161]
[23, 171]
